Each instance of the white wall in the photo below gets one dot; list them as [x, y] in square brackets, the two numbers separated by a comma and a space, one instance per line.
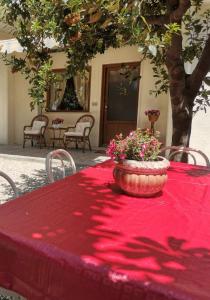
[19, 112]
[112, 56]
[148, 101]
[19, 100]
[3, 104]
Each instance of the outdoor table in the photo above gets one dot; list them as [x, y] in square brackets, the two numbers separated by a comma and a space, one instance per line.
[57, 134]
[81, 238]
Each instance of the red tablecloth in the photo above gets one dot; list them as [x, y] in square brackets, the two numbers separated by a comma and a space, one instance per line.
[82, 239]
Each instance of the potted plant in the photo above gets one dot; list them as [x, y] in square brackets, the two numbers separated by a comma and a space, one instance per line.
[139, 171]
[153, 115]
[56, 123]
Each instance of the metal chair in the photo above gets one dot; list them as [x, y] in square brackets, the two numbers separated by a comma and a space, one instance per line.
[9, 295]
[175, 150]
[36, 130]
[11, 182]
[61, 155]
[80, 132]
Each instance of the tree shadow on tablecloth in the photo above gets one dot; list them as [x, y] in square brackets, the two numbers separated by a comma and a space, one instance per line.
[98, 235]
[196, 171]
[172, 265]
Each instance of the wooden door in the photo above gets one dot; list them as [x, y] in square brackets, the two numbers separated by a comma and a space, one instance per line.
[120, 92]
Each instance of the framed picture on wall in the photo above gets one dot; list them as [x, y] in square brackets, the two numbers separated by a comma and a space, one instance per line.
[68, 94]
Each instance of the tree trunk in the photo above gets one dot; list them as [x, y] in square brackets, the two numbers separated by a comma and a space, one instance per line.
[182, 122]
[180, 93]
[182, 113]
[183, 87]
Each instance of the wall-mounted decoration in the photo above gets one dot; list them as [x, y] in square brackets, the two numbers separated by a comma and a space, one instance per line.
[153, 115]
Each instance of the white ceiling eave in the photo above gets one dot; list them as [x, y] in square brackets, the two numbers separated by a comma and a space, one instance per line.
[12, 45]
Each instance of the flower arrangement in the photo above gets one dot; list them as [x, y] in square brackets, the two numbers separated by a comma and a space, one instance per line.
[57, 121]
[140, 145]
[153, 114]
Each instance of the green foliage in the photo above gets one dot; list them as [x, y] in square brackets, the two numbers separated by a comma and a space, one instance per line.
[202, 101]
[83, 28]
[140, 145]
[196, 33]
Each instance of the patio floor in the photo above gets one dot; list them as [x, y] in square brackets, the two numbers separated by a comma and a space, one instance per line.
[27, 166]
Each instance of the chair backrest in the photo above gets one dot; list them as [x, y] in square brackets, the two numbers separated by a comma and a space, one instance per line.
[11, 182]
[86, 120]
[81, 126]
[191, 152]
[39, 121]
[62, 155]
[38, 125]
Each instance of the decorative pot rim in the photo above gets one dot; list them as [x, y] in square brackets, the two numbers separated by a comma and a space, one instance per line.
[128, 164]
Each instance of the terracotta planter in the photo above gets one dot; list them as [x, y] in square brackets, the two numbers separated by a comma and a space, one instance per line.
[153, 118]
[56, 125]
[141, 178]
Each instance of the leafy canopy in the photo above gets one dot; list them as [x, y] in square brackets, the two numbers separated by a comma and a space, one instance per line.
[83, 28]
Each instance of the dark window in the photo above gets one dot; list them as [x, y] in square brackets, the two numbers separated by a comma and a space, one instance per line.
[69, 93]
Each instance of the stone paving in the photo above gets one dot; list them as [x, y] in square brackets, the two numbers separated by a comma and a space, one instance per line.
[27, 166]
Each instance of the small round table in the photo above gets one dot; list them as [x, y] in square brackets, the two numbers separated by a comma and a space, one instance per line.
[57, 135]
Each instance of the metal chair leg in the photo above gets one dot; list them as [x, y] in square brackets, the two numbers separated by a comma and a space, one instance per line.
[89, 144]
[83, 145]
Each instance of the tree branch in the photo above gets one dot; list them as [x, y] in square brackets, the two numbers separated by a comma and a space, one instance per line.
[201, 70]
[158, 20]
[177, 14]
[175, 68]
[173, 16]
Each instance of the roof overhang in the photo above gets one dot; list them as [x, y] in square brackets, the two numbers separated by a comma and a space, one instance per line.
[12, 45]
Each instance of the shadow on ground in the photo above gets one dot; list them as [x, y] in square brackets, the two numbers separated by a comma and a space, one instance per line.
[36, 180]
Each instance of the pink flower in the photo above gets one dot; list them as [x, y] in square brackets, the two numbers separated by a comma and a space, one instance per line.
[141, 154]
[138, 145]
[144, 147]
[122, 156]
[155, 112]
[119, 136]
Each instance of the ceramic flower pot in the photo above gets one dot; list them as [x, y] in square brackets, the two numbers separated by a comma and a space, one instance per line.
[56, 125]
[141, 178]
[153, 118]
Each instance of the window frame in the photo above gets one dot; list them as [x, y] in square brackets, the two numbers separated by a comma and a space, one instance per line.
[62, 70]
